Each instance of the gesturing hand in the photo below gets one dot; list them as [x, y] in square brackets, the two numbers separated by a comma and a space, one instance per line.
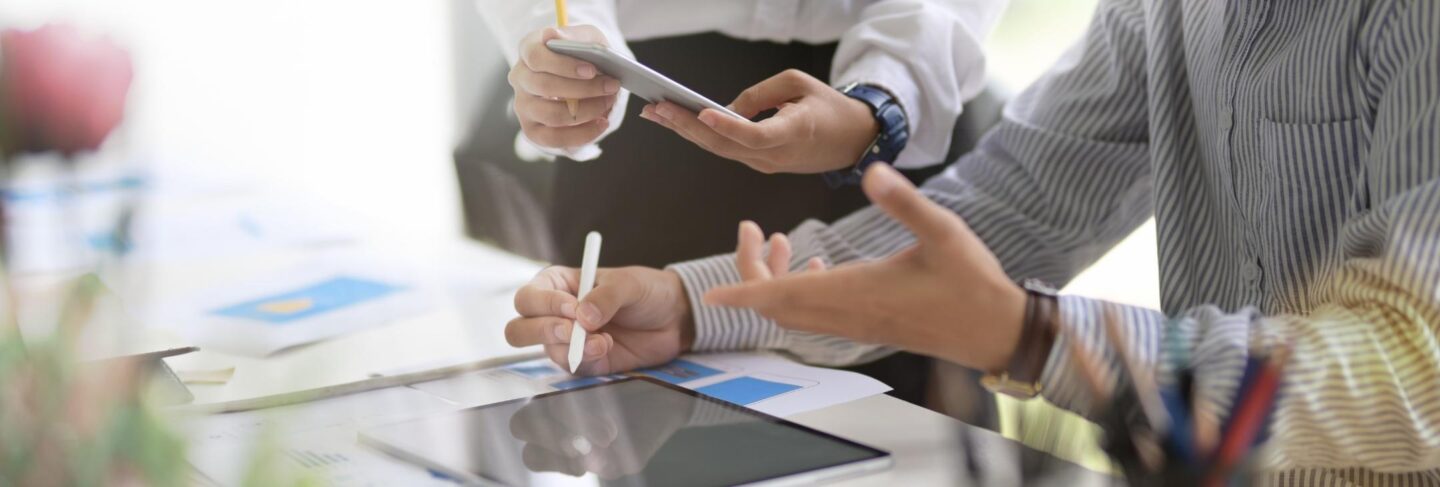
[946, 297]
[636, 316]
[816, 129]
[543, 80]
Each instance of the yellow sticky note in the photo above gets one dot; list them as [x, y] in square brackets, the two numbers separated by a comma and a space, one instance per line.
[287, 306]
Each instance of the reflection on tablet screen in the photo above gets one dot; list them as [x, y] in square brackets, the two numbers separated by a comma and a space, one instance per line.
[632, 432]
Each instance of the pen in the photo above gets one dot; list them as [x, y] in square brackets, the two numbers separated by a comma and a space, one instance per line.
[588, 262]
[561, 20]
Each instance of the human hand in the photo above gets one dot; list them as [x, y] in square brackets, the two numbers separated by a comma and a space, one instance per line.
[605, 431]
[544, 80]
[636, 317]
[816, 129]
[946, 297]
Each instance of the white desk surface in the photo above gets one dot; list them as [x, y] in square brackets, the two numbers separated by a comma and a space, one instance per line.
[928, 448]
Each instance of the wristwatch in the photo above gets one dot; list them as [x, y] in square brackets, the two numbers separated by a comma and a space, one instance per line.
[889, 140]
[1021, 377]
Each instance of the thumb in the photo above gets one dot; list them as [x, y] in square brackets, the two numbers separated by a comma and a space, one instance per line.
[771, 93]
[931, 223]
[615, 289]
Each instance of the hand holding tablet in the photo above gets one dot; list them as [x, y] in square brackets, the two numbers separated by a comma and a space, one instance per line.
[816, 128]
[545, 82]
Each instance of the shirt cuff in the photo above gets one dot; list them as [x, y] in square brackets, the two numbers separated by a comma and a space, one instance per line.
[880, 69]
[719, 328]
[1061, 383]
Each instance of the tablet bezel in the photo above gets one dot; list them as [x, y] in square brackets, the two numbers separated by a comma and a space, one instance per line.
[880, 460]
[644, 82]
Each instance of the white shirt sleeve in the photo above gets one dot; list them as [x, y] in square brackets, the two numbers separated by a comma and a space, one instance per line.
[928, 53]
[510, 21]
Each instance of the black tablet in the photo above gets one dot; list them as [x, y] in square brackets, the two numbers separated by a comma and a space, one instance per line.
[637, 431]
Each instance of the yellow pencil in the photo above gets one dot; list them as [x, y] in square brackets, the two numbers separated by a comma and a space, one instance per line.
[561, 21]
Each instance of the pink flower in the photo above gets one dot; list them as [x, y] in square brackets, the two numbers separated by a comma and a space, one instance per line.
[61, 91]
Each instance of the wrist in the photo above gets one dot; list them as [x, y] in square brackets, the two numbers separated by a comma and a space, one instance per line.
[1019, 376]
[1037, 335]
[883, 144]
[860, 130]
[1010, 309]
[684, 315]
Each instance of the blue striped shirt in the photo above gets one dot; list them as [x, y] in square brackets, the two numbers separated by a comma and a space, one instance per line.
[1289, 151]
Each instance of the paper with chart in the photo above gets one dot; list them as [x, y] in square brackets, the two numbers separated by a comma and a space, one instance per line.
[314, 441]
[311, 302]
[317, 439]
[765, 383]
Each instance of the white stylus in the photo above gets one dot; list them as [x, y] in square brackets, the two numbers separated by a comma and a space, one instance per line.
[587, 280]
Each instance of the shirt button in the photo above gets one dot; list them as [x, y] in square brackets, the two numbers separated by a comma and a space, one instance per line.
[1251, 272]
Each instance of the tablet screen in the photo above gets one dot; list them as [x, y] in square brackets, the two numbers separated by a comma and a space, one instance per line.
[630, 432]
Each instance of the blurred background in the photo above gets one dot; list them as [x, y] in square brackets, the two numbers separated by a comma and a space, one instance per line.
[361, 103]
[361, 106]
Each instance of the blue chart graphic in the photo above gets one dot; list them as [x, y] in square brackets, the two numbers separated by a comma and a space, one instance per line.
[534, 371]
[680, 371]
[580, 382]
[746, 390]
[319, 298]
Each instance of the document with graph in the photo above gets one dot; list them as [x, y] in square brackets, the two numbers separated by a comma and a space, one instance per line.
[283, 308]
[763, 382]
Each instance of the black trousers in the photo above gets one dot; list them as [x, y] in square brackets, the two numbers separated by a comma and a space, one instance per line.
[660, 199]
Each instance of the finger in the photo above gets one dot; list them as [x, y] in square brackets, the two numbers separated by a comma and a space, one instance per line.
[748, 248]
[775, 90]
[556, 113]
[686, 124]
[794, 290]
[615, 289]
[550, 293]
[539, 459]
[815, 264]
[567, 137]
[536, 83]
[801, 301]
[786, 125]
[596, 357]
[779, 258]
[550, 330]
[539, 58]
[930, 222]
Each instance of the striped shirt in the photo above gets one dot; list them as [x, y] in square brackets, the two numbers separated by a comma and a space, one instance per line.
[1289, 151]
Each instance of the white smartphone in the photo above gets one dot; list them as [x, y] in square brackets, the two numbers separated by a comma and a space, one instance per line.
[639, 79]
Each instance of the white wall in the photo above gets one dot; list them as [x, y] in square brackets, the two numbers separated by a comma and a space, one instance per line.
[348, 100]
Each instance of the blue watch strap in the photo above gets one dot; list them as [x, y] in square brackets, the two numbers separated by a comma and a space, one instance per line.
[893, 134]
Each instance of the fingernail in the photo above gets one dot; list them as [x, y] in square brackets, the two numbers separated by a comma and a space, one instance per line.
[589, 314]
[707, 118]
[663, 111]
[612, 86]
[585, 71]
[568, 310]
[648, 117]
[560, 332]
[595, 347]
